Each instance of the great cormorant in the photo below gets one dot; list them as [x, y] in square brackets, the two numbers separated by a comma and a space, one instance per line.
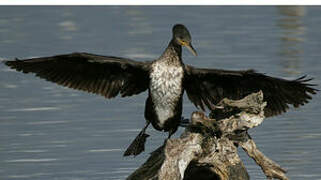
[166, 79]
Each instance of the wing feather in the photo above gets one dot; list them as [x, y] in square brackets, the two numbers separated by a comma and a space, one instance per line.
[104, 75]
[206, 87]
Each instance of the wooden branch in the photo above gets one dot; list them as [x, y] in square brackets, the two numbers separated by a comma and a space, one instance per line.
[270, 168]
[208, 147]
[238, 115]
[197, 154]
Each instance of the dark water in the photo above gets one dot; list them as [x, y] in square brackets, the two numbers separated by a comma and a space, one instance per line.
[51, 132]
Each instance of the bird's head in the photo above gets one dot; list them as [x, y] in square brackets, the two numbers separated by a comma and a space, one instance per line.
[182, 37]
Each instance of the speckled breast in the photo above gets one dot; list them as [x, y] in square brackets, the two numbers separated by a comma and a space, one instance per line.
[166, 89]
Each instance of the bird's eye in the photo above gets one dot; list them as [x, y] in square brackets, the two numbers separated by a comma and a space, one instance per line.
[182, 41]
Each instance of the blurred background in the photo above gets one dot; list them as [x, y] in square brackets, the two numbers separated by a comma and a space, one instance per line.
[51, 132]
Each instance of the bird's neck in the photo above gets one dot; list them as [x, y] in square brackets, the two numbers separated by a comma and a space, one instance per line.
[173, 52]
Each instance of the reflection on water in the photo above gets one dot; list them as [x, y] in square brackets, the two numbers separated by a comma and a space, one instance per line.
[139, 26]
[68, 26]
[138, 22]
[292, 37]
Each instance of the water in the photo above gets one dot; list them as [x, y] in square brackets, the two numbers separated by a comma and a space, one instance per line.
[51, 132]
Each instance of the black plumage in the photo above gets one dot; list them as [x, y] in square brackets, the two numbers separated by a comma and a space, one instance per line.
[110, 76]
[206, 87]
[104, 75]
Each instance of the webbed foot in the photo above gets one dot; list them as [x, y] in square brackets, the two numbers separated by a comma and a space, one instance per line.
[137, 146]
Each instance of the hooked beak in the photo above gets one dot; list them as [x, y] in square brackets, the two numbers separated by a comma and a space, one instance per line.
[191, 49]
[188, 45]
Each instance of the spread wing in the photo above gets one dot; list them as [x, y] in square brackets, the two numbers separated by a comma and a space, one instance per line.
[104, 75]
[206, 87]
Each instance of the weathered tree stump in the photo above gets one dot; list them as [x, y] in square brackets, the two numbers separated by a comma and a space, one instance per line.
[208, 147]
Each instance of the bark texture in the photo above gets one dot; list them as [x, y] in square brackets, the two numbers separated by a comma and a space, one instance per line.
[207, 150]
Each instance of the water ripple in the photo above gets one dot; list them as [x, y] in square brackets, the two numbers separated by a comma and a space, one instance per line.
[30, 160]
[103, 150]
[47, 122]
[33, 109]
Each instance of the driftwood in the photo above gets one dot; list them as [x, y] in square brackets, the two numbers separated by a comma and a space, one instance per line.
[208, 147]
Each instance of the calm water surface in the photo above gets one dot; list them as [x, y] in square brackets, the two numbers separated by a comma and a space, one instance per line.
[54, 133]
